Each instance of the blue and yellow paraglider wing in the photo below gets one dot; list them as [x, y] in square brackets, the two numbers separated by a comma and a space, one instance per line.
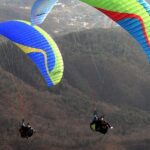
[38, 46]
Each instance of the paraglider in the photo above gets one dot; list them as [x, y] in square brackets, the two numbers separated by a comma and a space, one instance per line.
[40, 10]
[132, 15]
[41, 49]
[26, 130]
[38, 46]
[99, 124]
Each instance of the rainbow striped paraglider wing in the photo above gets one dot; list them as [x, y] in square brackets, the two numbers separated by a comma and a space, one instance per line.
[132, 15]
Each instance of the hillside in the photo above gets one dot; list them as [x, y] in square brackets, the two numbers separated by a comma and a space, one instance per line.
[114, 69]
[111, 75]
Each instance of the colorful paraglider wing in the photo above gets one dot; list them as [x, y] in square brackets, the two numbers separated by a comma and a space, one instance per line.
[40, 10]
[38, 46]
[132, 15]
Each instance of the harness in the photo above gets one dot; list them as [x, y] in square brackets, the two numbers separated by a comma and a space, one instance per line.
[26, 132]
[100, 126]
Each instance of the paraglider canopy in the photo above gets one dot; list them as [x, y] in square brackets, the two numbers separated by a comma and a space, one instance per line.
[132, 15]
[40, 10]
[38, 46]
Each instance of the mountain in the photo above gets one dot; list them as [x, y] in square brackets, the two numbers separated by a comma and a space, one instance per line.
[106, 66]
[104, 69]
[67, 16]
[111, 75]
